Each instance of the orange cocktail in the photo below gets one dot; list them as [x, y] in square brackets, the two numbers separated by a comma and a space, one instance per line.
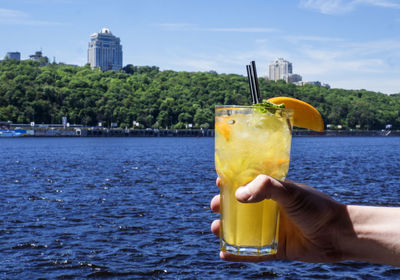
[248, 143]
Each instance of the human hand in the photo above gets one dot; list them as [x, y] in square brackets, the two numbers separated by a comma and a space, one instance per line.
[310, 221]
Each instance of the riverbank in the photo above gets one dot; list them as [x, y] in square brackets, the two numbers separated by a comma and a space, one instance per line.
[105, 132]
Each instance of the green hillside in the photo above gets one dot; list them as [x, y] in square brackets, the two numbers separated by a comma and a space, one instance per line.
[154, 98]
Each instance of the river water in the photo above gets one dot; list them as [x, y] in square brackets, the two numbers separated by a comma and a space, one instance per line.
[138, 208]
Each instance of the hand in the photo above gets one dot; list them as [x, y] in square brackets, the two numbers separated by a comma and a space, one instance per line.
[310, 221]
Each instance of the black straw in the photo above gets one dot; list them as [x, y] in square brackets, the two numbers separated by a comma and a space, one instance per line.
[250, 78]
[253, 82]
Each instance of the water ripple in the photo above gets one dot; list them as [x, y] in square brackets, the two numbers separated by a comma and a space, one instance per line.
[138, 208]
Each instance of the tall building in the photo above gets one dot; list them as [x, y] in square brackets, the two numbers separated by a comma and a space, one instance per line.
[281, 69]
[14, 55]
[105, 51]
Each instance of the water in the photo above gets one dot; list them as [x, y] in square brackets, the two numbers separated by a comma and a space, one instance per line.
[138, 208]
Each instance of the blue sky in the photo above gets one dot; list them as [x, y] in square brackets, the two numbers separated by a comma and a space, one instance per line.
[349, 44]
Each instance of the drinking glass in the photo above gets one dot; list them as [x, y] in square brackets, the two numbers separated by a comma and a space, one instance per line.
[249, 142]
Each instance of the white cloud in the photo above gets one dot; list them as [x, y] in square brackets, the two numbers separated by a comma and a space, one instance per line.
[297, 39]
[16, 17]
[198, 64]
[339, 67]
[11, 14]
[341, 62]
[382, 47]
[176, 26]
[349, 64]
[381, 3]
[46, 2]
[221, 60]
[386, 85]
[333, 7]
[328, 6]
[193, 27]
[345, 50]
[242, 29]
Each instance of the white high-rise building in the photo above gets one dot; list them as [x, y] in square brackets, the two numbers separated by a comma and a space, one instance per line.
[281, 69]
[105, 51]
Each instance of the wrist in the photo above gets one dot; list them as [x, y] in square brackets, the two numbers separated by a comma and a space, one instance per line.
[371, 234]
[349, 240]
[343, 235]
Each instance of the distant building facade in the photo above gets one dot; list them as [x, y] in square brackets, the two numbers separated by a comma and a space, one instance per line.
[105, 51]
[293, 78]
[281, 69]
[314, 83]
[13, 55]
[36, 56]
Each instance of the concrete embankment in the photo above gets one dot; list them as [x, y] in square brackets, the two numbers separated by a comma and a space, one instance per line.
[148, 133]
[349, 133]
[104, 132]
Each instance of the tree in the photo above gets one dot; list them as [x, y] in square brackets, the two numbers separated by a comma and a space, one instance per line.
[30, 91]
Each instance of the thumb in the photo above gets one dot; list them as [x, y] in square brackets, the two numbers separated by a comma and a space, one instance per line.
[262, 187]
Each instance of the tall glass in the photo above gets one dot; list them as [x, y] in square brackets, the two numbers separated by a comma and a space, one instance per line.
[249, 143]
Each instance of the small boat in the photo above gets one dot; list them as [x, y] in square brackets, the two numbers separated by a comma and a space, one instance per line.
[387, 130]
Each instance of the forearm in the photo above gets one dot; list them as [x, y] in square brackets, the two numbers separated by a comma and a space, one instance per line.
[374, 235]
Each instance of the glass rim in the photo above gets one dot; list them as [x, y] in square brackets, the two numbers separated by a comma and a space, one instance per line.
[247, 107]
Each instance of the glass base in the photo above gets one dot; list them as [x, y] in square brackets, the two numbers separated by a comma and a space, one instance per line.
[249, 251]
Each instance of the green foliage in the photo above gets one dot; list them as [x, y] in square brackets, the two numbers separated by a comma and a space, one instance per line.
[32, 91]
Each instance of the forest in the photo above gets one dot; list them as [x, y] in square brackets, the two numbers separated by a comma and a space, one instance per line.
[143, 95]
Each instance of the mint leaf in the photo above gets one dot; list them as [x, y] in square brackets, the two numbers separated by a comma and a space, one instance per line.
[267, 106]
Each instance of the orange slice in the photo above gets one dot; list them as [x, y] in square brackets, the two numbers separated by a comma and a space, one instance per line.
[223, 127]
[304, 115]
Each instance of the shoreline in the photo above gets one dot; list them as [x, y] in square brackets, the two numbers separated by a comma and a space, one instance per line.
[104, 132]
